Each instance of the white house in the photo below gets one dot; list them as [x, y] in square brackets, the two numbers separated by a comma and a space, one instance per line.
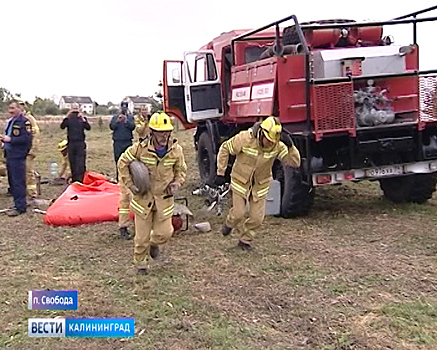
[135, 102]
[85, 102]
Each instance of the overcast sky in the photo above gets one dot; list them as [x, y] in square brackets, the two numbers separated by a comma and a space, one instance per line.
[108, 49]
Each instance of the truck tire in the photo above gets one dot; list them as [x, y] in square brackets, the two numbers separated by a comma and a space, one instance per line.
[206, 159]
[417, 188]
[297, 197]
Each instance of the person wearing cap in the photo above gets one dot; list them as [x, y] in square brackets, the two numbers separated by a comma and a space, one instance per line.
[153, 210]
[122, 125]
[30, 160]
[76, 124]
[142, 123]
[17, 142]
[255, 150]
[64, 172]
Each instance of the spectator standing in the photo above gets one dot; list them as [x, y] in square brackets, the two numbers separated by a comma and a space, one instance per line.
[122, 125]
[17, 143]
[76, 124]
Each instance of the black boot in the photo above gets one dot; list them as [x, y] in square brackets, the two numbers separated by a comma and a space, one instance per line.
[226, 230]
[154, 252]
[245, 245]
[14, 212]
[124, 233]
[142, 271]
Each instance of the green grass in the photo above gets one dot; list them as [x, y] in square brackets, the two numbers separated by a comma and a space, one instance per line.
[414, 321]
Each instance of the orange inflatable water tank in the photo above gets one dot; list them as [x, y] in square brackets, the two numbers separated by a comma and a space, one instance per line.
[93, 201]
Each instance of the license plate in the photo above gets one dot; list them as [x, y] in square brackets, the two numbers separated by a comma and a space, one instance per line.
[385, 171]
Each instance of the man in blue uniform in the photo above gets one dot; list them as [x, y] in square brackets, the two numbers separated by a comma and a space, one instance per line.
[122, 125]
[17, 142]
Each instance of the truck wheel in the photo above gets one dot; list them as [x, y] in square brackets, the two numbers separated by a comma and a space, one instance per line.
[417, 188]
[206, 159]
[297, 197]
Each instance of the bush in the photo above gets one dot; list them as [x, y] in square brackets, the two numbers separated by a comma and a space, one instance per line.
[102, 110]
[44, 106]
[52, 110]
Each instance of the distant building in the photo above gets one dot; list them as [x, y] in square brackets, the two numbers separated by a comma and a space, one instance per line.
[135, 102]
[85, 102]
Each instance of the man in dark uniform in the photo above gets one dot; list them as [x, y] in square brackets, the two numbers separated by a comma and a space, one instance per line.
[76, 124]
[122, 124]
[17, 142]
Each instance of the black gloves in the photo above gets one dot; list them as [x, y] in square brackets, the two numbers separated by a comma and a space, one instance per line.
[286, 139]
[219, 180]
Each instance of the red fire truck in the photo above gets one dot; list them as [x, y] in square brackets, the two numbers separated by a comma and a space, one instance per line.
[356, 104]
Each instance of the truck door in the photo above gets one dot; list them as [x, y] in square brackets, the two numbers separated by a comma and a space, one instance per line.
[202, 89]
[174, 100]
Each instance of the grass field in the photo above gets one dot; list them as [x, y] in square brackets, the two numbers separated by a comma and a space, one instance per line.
[357, 273]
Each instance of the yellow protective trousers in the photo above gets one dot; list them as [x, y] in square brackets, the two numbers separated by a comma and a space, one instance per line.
[237, 219]
[150, 230]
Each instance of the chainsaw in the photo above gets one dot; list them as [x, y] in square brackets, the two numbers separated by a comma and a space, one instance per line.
[215, 196]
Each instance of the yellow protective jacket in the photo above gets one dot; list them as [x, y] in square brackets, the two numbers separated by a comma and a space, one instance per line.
[141, 126]
[252, 170]
[65, 165]
[2, 164]
[162, 171]
[35, 133]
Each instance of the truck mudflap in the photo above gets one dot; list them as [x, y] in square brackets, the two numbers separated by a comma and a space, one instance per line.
[337, 177]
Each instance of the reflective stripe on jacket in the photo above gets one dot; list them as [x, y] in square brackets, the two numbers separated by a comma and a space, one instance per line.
[252, 170]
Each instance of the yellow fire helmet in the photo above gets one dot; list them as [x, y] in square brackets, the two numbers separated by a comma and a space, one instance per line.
[62, 145]
[271, 128]
[160, 121]
[19, 100]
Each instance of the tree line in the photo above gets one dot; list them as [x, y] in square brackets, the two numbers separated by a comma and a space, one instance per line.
[46, 106]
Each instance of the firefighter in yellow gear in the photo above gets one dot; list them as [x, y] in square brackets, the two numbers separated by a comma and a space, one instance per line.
[142, 123]
[30, 159]
[64, 171]
[153, 210]
[255, 149]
